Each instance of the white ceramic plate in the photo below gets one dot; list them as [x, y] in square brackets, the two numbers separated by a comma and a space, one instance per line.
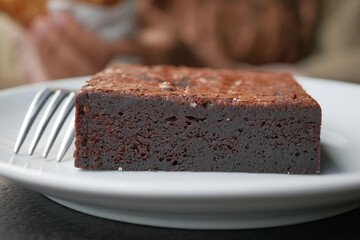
[198, 200]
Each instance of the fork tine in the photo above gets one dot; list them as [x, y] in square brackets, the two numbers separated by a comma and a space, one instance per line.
[55, 101]
[68, 106]
[34, 109]
[68, 139]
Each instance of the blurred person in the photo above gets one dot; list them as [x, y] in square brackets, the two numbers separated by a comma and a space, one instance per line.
[197, 33]
[68, 38]
[72, 38]
[230, 33]
[79, 38]
[303, 37]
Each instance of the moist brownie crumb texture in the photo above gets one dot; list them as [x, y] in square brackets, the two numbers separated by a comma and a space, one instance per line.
[141, 118]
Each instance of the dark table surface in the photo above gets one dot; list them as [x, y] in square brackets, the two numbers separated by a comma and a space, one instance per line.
[25, 214]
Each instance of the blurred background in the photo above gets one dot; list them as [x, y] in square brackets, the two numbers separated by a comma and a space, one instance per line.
[42, 40]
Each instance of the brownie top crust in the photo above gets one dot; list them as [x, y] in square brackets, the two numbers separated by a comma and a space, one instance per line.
[200, 86]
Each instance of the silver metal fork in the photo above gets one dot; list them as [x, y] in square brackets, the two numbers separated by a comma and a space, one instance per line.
[55, 98]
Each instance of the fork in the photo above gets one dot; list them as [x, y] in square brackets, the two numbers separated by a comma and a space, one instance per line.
[55, 98]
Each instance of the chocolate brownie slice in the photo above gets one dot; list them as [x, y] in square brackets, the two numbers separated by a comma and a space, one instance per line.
[137, 118]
